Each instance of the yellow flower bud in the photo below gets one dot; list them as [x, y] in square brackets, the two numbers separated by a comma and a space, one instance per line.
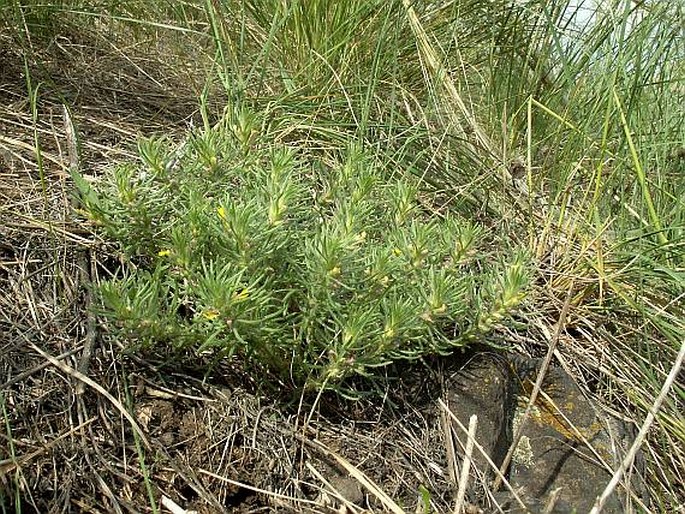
[242, 295]
[440, 310]
[211, 314]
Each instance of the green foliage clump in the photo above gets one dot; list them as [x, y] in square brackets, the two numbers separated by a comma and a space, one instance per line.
[242, 249]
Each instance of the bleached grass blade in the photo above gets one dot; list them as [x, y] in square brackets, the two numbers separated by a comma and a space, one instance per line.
[466, 465]
[651, 416]
[88, 381]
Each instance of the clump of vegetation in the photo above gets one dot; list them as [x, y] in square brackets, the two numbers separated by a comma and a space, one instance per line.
[243, 249]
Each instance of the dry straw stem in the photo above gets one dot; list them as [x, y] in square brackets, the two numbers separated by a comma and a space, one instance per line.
[174, 507]
[84, 262]
[80, 376]
[552, 501]
[8, 465]
[449, 447]
[466, 465]
[339, 495]
[485, 455]
[642, 434]
[35, 369]
[255, 489]
[357, 474]
[436, 67]
[536, 389]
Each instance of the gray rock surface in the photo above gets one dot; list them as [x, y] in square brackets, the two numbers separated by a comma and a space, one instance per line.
[568, 445]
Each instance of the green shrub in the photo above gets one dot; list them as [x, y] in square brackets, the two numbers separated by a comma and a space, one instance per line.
[241, 249]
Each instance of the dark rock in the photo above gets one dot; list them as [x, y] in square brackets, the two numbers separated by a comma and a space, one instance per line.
[485, 387]
[567, 449]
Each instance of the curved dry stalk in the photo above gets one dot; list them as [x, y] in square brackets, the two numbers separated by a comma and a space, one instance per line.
[485, 455]
[651, 416]
[466, 465]
[536, 390]
[80, 376]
